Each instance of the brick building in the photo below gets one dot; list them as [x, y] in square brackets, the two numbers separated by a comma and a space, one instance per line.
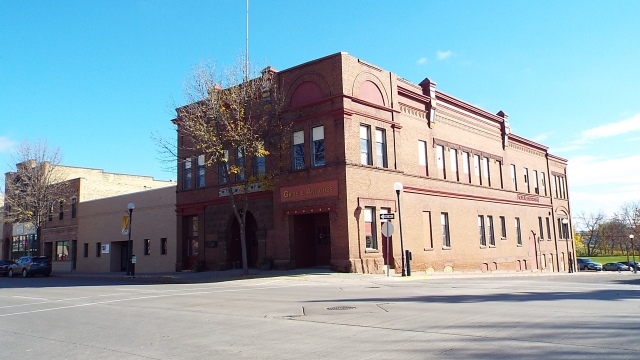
[60, 232]
[475, 196]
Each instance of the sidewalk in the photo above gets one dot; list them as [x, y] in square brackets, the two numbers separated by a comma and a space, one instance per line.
[236, 274]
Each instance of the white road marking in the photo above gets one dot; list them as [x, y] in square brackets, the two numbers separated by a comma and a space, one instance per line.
[149, 297]
[31, 298]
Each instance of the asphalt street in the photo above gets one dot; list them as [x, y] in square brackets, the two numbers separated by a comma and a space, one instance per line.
[323, 315]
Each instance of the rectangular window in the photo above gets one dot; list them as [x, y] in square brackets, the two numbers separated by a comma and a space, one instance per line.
[514, 181]
[518, 231]
[465, 167]
[476, 167]
[365, 145]
[298, 150]
[543, 183]
[453, 163]
[500, 171]
[147, 246]
[560, 228]
[50, 211]
[548, 229]
[73, 207]
[61, 211]
[426, 229]
[317, 146]
[223, 168]
[485, 171]
[536, 189]
[525, 171]
[163, 246]
[422, 157]
[259, 167]
[483, 236]
[85, 250]
[370, 228]
[99, 249]
[186, 174]
[444, 223]
[381, 148]
[564, 187]
[492, 235]
[240, 164]
[200, 171]
[440, 158]
[503, 227]
[554, 185]
[540, 227]
[62, 250]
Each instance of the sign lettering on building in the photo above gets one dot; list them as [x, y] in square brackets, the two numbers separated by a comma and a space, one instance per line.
[527, 197]
[309, 191]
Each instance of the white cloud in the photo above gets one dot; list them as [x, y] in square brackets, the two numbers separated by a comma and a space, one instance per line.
[542, 137]
[6, 144]
[609, 130]
[443, 54]
[422, 61]
[590, 170]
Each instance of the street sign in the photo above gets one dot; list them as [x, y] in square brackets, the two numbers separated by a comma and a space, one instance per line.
[133, 259]
[387, 229]
[387, 216]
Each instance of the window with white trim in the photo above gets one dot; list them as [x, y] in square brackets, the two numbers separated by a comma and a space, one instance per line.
[422, 157]
[317, 146]
[365, 145]
[298, 150]
[381, 148]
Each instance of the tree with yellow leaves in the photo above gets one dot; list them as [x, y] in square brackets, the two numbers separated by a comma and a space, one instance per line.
[234, 112]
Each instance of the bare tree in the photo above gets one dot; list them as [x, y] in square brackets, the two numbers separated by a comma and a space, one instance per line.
[36, 184]
[589, 228]
[233, 119]
[629, 214]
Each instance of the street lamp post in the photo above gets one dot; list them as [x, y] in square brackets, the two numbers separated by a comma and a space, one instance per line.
[633, 254]
[565, 222]
[398, 187]
[131, 206]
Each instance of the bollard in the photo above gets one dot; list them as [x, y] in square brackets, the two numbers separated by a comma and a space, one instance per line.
[408, 259]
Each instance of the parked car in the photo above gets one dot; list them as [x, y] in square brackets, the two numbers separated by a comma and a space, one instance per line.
[30, 266]
[631, 264]
[4, 267]
[588, 264]
[615, 266]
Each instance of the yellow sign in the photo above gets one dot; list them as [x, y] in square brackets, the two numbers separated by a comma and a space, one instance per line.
[125, 225]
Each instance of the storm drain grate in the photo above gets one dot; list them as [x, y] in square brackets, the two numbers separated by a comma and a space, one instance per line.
[341, 308]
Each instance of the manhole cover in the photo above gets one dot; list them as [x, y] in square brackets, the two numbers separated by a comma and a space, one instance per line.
[341, 308]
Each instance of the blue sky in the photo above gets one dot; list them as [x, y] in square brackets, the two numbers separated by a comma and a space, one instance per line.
[97, 78]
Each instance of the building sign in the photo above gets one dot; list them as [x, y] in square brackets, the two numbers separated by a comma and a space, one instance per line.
[105, 248]
[527, 197]
[309, 191]
[23, 229]
[255, 187]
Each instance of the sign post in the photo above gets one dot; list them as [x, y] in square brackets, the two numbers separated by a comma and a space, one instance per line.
[387, 231]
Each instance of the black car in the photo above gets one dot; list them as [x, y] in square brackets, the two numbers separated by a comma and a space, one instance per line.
[4, 267]
[30, 266]
[615, 266]
[631, 264]
[588, 264]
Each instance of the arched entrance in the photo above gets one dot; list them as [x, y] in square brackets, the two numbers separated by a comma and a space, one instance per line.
[234, 248]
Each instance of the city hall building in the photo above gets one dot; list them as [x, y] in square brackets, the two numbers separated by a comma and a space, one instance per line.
[475, 197]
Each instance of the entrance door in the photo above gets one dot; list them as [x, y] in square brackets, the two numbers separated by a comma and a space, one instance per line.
[191, 242]
[312, 240]
[387, 244]
[234, 249]
[124, 252]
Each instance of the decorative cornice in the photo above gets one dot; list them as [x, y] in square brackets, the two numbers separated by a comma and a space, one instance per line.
[558, 159]
[413, 95]
[466, 149]
[424, 191]
[446, 98]
[528, 143]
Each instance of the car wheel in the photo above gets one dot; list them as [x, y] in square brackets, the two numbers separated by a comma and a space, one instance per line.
[10, 272]
[24, 273]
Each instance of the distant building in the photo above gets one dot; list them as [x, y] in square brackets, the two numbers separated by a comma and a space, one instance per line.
[475, 198]
[59, 234]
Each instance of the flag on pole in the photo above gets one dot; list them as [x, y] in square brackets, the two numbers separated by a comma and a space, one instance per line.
[125, 225]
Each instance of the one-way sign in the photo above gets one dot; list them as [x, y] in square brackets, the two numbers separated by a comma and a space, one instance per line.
[387, 216]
